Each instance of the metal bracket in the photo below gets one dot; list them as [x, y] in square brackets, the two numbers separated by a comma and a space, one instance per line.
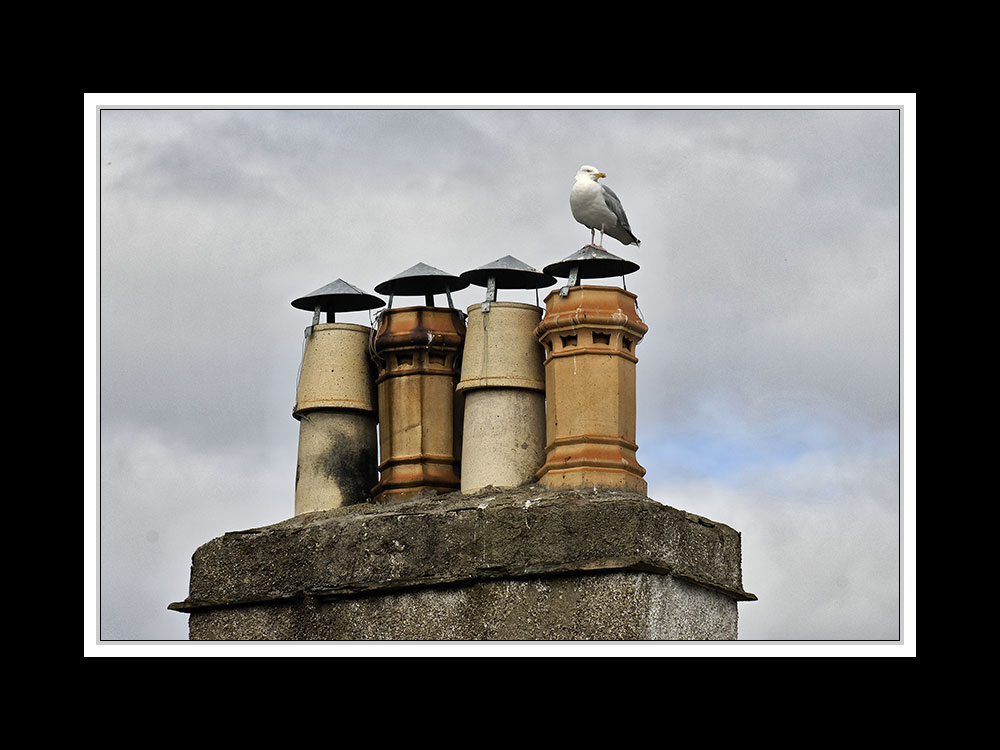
[309, 329]
[574, 275]
[491, 293]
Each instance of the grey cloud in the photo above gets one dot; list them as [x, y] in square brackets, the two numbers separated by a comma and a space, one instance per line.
[769, 279]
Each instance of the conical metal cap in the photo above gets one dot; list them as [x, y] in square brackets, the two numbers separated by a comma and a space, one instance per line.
[509, 273]
[421, 280]
[338, 296]
[594, 263]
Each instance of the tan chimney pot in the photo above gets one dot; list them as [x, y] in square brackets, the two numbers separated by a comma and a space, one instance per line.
[590, 336]
[418, 353]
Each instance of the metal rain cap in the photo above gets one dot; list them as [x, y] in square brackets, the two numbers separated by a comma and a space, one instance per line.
[509, 273]
[338, 296]
[593, 263]
[421, 280]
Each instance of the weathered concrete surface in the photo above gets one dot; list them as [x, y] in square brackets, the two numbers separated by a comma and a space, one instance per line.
[521, 564]
[337, 461]
[606, 606]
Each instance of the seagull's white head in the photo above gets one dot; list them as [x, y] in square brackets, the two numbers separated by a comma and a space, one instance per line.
[590, 173]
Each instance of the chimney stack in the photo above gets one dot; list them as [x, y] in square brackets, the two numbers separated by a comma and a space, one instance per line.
[580, 554]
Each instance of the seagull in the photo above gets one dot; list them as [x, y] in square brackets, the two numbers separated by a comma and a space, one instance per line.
[597, 207]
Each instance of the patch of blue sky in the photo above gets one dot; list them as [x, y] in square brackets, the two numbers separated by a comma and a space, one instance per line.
[730, 449]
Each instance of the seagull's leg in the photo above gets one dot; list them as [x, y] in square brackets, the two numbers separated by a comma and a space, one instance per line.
[601, 243]
[592, 235]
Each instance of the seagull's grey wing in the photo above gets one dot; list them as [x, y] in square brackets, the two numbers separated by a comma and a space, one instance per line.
[615, 205]
[622, 232]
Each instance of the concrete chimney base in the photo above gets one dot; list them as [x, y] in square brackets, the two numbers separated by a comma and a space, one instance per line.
[502, 437]
[524, 564]
[338, 459]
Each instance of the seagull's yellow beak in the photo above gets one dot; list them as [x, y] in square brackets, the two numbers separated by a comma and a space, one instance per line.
[600, 174]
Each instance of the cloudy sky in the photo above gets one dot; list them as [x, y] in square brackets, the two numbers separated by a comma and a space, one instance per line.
[772, 280]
